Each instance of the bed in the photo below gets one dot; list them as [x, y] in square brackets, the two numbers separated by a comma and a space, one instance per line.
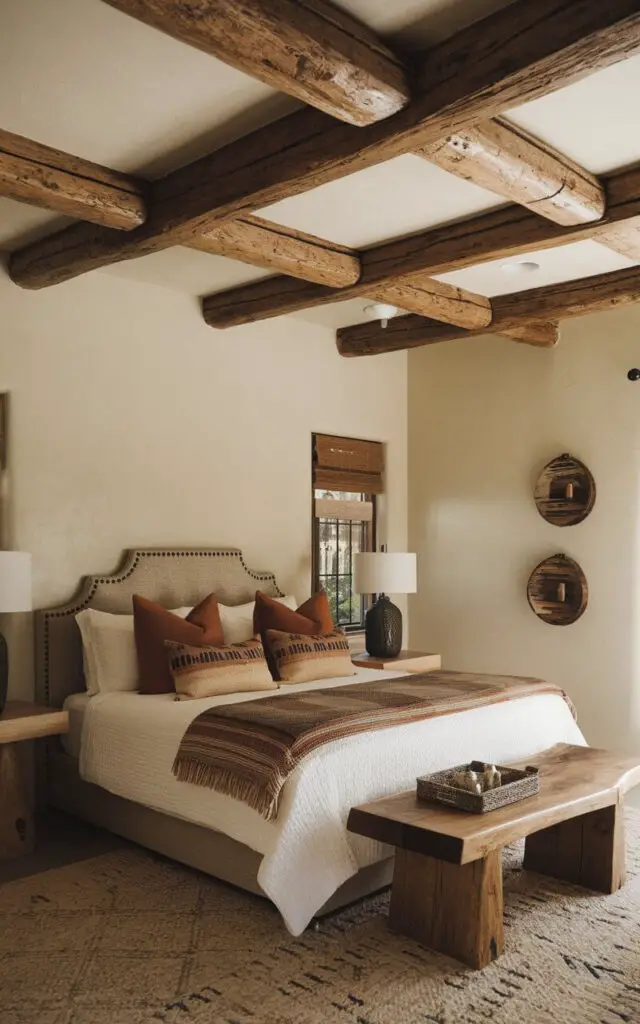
[114, 768]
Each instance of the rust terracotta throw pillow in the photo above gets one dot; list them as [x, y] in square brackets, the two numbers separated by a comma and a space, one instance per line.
[312, 617]
[153, 624]
[212, 671]
[302, 659]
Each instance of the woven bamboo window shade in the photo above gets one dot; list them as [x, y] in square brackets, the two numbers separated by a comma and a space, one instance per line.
[346, 464]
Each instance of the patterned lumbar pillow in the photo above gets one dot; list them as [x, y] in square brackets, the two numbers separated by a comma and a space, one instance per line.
[213, 671]
[301, 659]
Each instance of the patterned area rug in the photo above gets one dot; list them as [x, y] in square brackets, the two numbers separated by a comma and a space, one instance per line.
[130, 938]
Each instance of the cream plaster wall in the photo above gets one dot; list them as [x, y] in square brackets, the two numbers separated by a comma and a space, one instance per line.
[133, 423]
[484, 417]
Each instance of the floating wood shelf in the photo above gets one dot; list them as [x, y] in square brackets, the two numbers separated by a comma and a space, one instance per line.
[565, 491]
[557, 591]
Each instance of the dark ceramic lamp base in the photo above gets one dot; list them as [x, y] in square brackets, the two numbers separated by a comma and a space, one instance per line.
[383, 629]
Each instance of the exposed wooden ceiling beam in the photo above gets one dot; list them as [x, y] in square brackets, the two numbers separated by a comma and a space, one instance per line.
[500, 234]
[623, 238]
[46, 177]
[517, 54]
[595, 294]
[441, 301]
[539, 334]
[307, 48]
[430, 298]
[58, 181]
[262, 243]
[556, 302]
[249, 239]
[505, 159]
[360, 341]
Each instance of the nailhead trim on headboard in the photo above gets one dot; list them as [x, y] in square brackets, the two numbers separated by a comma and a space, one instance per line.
[130, 564]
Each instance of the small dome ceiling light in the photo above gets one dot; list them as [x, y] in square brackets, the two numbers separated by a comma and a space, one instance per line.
[516, 267]
[382, 311]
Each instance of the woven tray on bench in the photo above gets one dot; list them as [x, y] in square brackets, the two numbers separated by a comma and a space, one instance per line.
[516, 785]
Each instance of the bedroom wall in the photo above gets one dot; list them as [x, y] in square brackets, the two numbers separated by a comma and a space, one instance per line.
[484, 417]
[134, 424]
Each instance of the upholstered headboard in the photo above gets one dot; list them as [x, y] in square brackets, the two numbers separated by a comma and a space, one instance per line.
[173, 577]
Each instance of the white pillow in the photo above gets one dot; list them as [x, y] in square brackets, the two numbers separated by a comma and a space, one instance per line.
[237, 620]
[109, 650]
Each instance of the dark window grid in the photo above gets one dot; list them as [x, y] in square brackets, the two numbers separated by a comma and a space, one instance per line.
[336, 576]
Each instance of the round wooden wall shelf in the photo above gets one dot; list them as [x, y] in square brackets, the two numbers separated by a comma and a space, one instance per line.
[557, 591]
[565, 491]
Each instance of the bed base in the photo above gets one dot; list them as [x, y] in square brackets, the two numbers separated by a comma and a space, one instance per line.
[173, 577]
[210, 852]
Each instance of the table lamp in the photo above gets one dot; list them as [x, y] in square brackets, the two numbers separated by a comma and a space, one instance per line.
[383, 572]
[15, 596]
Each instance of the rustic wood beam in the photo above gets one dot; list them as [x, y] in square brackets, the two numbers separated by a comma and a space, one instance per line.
[623, 237]
[251, 240]
[505, 159]
[360, 341]
[500, 234]
[58, 181]
[49, 178]
[595, 294]
[265, 244]
[435, 299]
[556, 302]
[511, 57]
[540, 333]
[307, 48]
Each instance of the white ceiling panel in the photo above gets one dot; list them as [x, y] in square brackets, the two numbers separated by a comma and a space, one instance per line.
[405, 194]
[80, 76]
[420, 22]
[187, 270]
[595, 121]
[338, 314]
[566, 263]
[21, 224]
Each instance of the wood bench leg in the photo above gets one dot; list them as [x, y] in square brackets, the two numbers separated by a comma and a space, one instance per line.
[453, 908]
[16, 819]
[588, 850]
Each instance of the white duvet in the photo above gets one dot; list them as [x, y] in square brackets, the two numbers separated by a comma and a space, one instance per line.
[129, 741]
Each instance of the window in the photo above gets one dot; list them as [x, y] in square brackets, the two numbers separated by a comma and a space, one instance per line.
[339, 535]
[347, 476]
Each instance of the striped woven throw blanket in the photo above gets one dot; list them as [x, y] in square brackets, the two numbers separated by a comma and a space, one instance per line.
[248, 750]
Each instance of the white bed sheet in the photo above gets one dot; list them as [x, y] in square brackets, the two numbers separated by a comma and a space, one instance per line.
[129, 742]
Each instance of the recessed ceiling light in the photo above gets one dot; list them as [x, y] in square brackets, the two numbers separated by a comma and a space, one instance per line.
[520, 267]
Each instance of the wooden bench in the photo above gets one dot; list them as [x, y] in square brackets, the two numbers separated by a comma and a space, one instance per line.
[447, 881]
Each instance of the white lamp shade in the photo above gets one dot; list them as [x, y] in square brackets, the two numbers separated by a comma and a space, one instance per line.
[385, 572]
[15, 582]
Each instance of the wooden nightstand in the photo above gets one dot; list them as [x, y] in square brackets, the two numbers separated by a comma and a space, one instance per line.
[407, 661]
[19, 721]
